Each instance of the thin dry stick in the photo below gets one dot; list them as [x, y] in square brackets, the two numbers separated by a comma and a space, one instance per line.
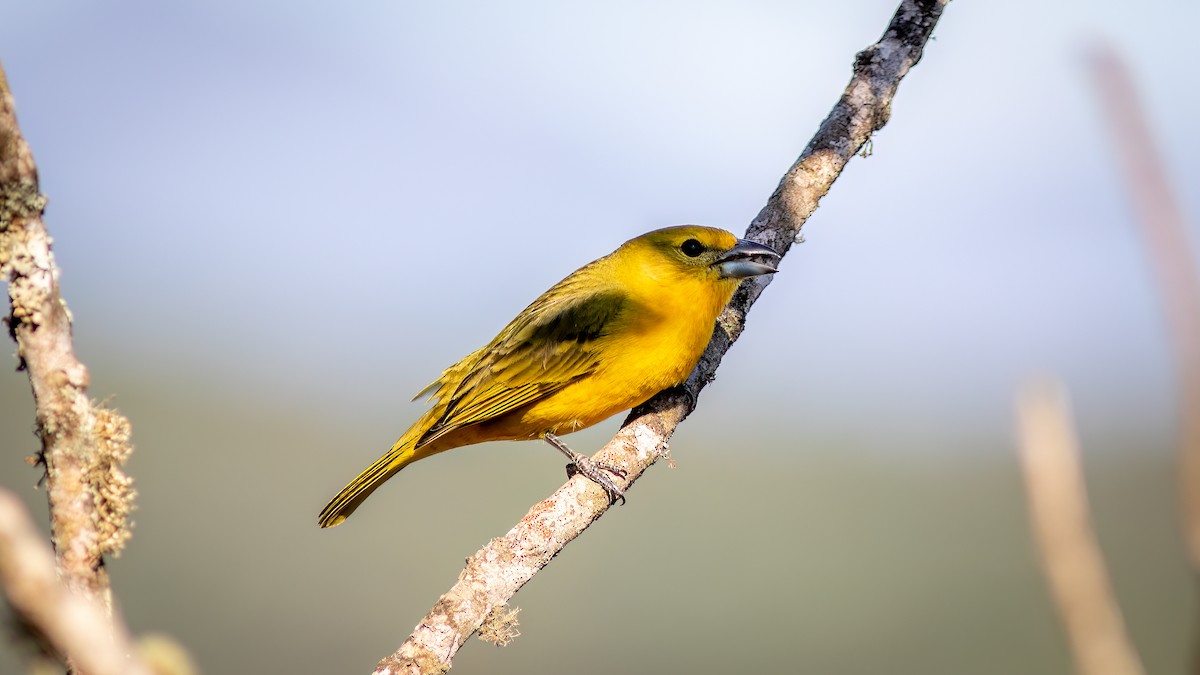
[71, 621]
[1160, 217]
[83, 446]
[1069, 552]
[498, 570]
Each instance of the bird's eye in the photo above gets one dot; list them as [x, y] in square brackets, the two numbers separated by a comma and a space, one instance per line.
[692, 248]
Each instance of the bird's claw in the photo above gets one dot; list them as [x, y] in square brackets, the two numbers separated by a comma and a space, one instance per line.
[592, 470]
[596, 472]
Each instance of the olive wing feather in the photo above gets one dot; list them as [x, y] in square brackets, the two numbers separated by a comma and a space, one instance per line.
[551, 344]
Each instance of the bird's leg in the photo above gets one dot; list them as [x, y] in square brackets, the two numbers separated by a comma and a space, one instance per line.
[592, 470]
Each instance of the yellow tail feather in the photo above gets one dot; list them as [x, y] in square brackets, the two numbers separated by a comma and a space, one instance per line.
[340, 507]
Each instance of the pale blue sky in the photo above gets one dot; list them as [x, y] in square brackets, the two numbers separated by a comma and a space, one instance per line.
[344, 199]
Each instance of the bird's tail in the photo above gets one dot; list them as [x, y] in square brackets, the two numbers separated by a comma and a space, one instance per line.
[340, 507]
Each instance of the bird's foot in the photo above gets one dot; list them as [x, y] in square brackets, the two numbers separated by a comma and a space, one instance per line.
[592, 470]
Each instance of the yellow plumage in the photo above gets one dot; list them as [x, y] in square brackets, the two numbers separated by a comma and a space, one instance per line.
[604, 339]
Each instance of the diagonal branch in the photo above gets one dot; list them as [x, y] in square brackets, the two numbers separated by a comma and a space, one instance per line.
[499, 569]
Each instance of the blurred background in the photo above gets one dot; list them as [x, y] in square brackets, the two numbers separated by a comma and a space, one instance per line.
[277, 221]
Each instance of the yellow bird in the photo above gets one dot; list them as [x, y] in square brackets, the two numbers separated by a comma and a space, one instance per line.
[605, 339]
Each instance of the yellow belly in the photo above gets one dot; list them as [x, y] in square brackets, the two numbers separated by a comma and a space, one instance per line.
[638, 364]
[640, 360]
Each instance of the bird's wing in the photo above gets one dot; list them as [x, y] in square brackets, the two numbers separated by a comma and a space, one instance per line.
[549, 345]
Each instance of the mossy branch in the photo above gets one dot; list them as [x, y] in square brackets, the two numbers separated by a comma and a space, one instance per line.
[83, 445]
[499, 569]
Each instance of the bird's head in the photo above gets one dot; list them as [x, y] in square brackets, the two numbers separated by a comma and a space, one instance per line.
[702, 252]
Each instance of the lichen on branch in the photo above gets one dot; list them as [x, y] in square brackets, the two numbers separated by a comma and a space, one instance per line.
[84, 446]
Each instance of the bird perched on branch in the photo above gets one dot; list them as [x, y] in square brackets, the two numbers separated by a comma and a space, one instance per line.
[605, 339]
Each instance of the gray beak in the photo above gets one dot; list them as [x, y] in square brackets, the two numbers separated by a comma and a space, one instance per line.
[747, 259]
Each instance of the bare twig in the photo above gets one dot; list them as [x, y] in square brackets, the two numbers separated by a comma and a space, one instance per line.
[1162, 223]
[83, 446]
[72, 622]
[1066, 542]
[499, 569]
[1163, 226]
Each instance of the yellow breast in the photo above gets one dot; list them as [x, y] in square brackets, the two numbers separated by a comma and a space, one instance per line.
[656, 349]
